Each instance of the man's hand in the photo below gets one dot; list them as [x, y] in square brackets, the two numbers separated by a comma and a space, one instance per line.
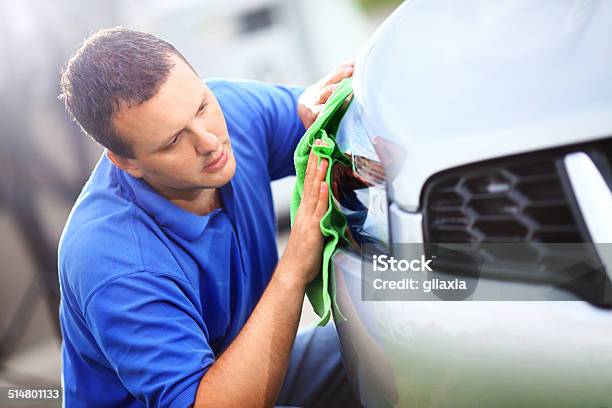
[315, 96]
[305, 243]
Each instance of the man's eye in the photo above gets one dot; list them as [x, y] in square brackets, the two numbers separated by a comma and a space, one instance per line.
[202, 108]
[174, 141]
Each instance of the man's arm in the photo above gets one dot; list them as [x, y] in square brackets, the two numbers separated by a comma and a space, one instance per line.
[251, 370]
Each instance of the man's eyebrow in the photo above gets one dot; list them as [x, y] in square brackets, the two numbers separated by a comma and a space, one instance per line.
[167, 141]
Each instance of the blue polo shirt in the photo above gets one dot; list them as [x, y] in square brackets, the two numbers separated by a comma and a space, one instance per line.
[152, 293]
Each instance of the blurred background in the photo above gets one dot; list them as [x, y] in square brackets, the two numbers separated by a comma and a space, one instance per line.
[45, 159]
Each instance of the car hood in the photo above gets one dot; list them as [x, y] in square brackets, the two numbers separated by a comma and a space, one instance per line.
[449, 83]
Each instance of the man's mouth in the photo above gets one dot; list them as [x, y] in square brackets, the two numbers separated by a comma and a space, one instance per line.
[218, 162]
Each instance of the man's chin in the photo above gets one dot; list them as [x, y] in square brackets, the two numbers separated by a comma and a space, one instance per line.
[223, 176]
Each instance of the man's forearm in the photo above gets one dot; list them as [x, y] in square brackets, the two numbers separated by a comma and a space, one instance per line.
[251, 370]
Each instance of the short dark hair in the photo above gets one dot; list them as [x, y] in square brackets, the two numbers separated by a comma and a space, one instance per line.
[113, 69]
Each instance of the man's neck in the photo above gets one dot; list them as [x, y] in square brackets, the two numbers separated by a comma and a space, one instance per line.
[200, 202]
[208, 200]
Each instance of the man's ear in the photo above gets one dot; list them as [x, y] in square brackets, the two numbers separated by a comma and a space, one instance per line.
[125, 164]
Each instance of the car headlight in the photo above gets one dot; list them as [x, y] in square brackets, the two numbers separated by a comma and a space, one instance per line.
[360, 191]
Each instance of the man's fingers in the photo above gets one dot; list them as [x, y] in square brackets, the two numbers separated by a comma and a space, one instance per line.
[311, 168]
[310, 200]
[339, 74]
[316, 110]
[323, 201]
[312, 174]
[320, 176]
[326, 93]
[346, 102]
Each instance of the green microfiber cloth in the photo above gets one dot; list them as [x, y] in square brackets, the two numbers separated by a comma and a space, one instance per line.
[321, 291]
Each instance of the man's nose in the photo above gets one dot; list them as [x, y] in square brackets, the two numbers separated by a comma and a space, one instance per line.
[206, 142]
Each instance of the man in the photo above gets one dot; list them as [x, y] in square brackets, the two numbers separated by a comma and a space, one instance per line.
[171, 291]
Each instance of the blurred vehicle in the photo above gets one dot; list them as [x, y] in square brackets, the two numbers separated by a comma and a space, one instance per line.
[481, 122]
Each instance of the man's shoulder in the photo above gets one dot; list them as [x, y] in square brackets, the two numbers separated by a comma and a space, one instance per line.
[256, 111]
[104, 238]
[242, 101]
[250, 97]
[94, 231]
[102, 210]
[239, 88]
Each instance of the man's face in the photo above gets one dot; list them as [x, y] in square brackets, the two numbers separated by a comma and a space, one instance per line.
[179, 136]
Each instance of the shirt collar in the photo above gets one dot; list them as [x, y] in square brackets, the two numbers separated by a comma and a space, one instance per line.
[168, 215]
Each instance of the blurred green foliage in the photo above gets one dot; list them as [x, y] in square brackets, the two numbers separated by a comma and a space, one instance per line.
[374, 4]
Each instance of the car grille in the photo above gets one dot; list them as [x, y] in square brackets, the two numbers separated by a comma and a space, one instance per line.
[503, 203]
[524, 199]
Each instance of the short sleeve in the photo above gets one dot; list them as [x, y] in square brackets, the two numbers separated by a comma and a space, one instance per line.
[152, 335]
[284, 130]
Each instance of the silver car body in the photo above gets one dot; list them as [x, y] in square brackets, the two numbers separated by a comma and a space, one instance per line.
[453, 83]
